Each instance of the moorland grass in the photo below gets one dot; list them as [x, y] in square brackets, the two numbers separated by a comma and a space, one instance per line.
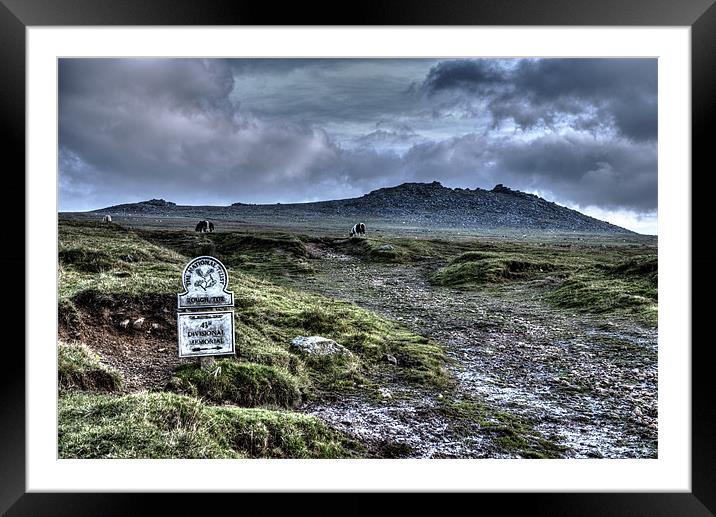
[244, 384]
[112, 259]
[108, 260]
[270, 255]
[613, 281]
[475, 268]
[78, 367]
[167, 425]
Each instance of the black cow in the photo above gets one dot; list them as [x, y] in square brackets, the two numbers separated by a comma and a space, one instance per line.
[358, 229]
[204, 226]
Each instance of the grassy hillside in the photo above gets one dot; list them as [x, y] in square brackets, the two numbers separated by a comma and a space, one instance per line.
[165, 425]
[107, 267]
[125, 393]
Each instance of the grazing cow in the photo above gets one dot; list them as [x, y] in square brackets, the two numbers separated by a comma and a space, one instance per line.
[107, 219]
[204, 226]
[358, 229]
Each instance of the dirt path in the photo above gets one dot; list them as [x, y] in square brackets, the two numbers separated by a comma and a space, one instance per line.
[587, 384]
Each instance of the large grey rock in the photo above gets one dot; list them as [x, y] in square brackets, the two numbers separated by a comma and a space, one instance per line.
[317, 345]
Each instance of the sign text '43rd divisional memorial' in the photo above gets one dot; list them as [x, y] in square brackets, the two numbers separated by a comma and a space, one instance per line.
[203, 328]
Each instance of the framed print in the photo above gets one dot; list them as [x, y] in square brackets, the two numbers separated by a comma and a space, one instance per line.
[419, 254]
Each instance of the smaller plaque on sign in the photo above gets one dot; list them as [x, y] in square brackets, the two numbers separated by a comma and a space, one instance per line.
[205, 280]
[205, 333]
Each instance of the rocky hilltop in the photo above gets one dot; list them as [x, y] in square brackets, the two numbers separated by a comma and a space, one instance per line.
[428, 204]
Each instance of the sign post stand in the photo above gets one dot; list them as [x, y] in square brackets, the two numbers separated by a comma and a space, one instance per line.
[207, 363]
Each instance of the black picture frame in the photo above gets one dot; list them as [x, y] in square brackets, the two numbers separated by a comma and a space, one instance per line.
[700, 15]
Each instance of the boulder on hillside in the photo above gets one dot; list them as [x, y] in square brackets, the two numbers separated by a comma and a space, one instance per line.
[319, 346]
[501, 188]
[158, 202]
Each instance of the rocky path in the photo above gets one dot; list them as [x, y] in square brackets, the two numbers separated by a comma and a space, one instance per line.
[586, 384]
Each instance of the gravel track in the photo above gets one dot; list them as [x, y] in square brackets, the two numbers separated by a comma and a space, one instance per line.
[586, 383]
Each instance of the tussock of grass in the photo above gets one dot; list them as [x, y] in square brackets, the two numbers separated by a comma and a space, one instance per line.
[474, 268]
[89, 260]
[244, 384]
[472, 256]
[627, 287]
[608, 296]
[230, 242]
[79, 368]
[373, 250]
[166, 425]
[387, 253]
[269, 255]
[272, 434]
[643, 267]
[395, 250]
[316, 320]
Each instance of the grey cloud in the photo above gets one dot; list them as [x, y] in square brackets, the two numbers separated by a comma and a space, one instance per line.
[186, 84]
[609, 174]
[169, 126]
[586, 93]
[471, 75]
[325, 91]
[549, 79]
[399, 141]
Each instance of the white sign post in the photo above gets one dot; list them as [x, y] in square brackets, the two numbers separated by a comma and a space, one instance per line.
[205, 280]
[205, 333]
[209, 331]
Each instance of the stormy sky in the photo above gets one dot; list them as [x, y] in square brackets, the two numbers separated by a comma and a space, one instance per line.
[580, 132]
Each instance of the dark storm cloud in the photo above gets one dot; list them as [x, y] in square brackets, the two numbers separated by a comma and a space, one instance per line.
[168, 128]
[588, 92]
[582, 170]
[218, 131]
[471, 75]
